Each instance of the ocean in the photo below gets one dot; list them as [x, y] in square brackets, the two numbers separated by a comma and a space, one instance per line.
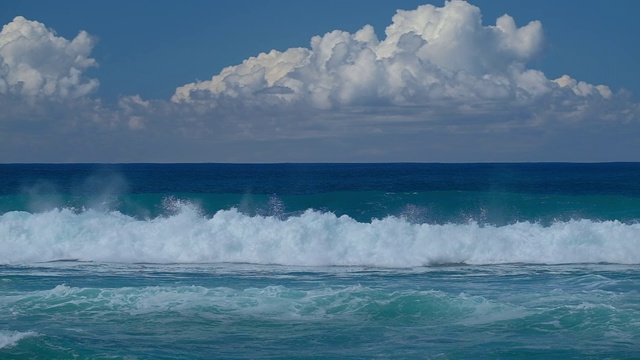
[320, 261]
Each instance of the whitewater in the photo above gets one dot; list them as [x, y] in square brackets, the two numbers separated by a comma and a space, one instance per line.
[312, 239]
[199, 261]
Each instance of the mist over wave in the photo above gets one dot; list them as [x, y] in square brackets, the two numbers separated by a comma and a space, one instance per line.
[312, 238]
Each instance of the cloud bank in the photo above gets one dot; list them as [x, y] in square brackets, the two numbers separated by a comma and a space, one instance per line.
[430, 56]
[438, 86]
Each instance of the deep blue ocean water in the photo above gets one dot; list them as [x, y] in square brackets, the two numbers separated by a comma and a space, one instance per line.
[355, 261]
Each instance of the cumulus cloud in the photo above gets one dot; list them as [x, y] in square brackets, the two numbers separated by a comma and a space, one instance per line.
[438, 86]
[35, 62]
[429, 56]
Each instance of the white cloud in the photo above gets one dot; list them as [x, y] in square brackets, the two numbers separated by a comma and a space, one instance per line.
[582, 88]
[35, 62]
[429, 56]
[439, 86]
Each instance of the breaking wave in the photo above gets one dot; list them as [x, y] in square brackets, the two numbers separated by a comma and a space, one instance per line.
[312, 238]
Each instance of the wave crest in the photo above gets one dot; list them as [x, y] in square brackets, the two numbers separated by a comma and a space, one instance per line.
[312, 238]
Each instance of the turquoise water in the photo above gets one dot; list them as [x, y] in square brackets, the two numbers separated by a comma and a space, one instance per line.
[74, 310]
[437, 261]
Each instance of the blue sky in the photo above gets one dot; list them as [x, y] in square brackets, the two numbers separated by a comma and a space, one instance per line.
[125, 104]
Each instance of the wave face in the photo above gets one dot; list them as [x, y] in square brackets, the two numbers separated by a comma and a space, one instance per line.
[274, 302]
[312, 238]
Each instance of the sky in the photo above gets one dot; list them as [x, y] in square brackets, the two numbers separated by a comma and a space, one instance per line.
[319, 81]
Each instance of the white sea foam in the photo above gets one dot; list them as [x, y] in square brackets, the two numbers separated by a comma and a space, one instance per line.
[11, 338]
[310, 239]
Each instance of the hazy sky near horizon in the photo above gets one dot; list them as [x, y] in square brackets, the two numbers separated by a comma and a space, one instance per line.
[309, 81]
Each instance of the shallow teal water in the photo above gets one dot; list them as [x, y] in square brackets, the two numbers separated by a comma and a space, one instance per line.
[145, 311]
